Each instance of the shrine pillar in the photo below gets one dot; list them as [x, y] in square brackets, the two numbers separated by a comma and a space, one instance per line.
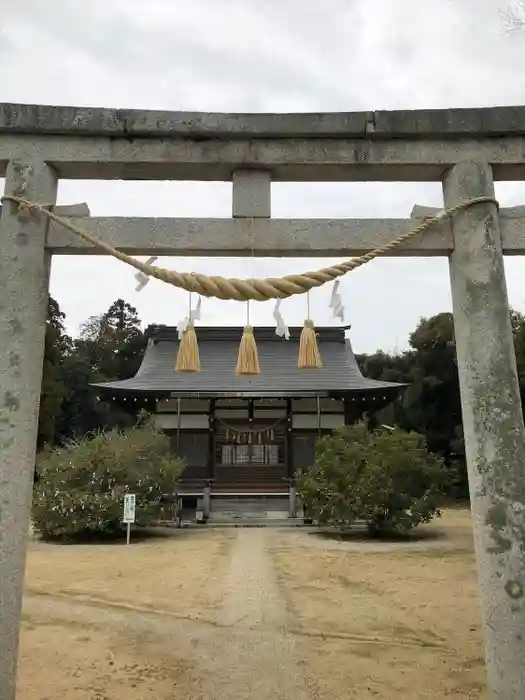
[492, 423]
[24, 277]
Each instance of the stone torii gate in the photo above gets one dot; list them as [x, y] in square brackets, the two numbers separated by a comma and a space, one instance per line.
[464, 148]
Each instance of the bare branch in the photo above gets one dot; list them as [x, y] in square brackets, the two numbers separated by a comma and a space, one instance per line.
[514, 16]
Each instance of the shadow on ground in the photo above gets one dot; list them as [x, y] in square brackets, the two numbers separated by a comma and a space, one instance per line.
[361, 534]
[140, 535]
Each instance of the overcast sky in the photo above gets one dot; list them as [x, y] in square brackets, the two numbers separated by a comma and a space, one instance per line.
[271, 56]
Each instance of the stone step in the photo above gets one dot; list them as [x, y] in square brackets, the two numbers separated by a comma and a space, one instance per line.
[242, 505]
[247, 515]
[267, 522]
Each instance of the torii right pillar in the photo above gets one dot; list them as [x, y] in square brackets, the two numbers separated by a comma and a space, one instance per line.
[492, 424]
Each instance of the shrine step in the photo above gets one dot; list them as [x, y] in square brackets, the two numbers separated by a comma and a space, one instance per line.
[248, 509]
[253, 522]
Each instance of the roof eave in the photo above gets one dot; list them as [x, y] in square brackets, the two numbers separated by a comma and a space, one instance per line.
[392, 388]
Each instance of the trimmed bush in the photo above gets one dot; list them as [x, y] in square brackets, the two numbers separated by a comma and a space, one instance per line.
[81, 487]
[388, 479]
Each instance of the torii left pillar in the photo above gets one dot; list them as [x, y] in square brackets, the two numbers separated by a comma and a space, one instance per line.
[24, 279]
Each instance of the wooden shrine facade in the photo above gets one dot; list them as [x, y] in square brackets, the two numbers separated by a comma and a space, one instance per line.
[249, 435]
[247, 444]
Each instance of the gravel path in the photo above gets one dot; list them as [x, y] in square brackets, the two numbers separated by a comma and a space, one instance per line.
[260, 661]
[251, 596]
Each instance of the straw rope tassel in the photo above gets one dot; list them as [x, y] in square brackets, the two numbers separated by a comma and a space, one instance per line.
[309, 356]
[248, 359]
[188, 359]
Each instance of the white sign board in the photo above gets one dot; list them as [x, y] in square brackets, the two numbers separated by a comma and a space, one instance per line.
[130, 501]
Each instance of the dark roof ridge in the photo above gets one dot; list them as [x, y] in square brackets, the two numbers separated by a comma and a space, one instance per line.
[158, 333]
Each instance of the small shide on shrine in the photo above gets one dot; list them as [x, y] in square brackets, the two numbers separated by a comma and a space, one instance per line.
[244, 437]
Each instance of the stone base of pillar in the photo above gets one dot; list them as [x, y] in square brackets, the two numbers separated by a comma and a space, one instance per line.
[292, 502]
[206, 505]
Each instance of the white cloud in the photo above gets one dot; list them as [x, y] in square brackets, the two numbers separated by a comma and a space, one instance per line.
[278, 55]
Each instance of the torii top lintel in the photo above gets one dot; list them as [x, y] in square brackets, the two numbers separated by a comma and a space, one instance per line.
[404, 145]
[422, 123]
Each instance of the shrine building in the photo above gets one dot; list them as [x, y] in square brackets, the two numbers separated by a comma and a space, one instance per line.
[244, 437]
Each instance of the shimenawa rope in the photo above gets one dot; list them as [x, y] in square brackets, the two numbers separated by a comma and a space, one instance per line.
[244, 290]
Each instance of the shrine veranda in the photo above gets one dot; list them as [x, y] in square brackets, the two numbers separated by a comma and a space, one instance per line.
[465, 149]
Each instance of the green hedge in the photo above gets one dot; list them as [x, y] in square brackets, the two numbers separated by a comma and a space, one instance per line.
[387, 479]
[81, 487]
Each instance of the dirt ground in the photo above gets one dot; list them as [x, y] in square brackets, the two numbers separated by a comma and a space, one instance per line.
[254, 613]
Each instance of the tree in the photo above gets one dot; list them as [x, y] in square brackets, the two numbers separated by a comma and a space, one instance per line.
[110, 347]
[431, 404]
[82, 485]
[387, 479]
[387, 368]
[113, 343]
[57, 345]
[438, 413]
[82, 414]
[390, 368]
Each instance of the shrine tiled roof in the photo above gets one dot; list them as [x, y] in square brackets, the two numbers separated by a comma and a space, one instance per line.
[218, 347]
